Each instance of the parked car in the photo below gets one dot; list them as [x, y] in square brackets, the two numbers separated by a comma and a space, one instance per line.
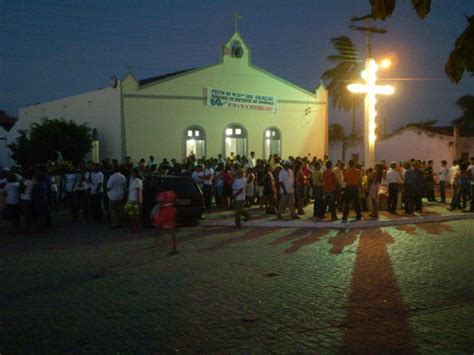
[189, 197]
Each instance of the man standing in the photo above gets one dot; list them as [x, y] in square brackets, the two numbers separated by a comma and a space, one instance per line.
[318, 191]
[443, 177]
[261, 173]
[208, 181]
[198, 176]
[409, 187]
[429, 180]
[330, 181]
[252, 160]
[339, 172]
[238, 193]
[419, 186]
[393, 180]
[115, 191]
[286, 180]
[96, 183]
[353, 181]
[452, 173]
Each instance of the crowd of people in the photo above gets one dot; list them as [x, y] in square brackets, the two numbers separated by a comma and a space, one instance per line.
[93, 191]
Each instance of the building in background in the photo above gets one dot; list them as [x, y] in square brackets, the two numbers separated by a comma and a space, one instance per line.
[231, 106]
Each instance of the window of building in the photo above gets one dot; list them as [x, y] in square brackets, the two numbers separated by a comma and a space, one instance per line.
[237, 50]
[355, 157]
[272, 142]
[235, 140]
[195, 141]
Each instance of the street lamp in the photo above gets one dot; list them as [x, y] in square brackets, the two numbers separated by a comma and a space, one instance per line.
[371, 89]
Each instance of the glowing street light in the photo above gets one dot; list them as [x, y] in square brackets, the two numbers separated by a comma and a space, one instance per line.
[371, 89]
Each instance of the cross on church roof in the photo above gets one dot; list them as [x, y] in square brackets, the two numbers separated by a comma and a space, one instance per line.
[237, 17]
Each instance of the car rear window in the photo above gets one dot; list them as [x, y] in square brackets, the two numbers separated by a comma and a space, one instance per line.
[185, 186]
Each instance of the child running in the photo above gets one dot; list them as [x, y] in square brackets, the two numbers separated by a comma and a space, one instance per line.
[165, 218]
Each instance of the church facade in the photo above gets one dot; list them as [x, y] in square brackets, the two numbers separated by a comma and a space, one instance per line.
[229, 107]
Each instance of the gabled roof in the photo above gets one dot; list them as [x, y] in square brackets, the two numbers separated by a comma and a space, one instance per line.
[236, 35]
[161, 77]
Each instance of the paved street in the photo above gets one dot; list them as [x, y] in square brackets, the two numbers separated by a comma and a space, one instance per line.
[82, 287]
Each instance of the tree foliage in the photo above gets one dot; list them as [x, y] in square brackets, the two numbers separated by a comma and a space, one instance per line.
[382, 9]
[347, 69]
[43, 140]
[461, 57]
[466, 104]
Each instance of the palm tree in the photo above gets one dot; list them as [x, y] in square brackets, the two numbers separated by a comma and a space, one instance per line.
[347, 69]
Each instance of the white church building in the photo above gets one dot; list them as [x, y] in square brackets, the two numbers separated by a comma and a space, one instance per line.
[231, 106]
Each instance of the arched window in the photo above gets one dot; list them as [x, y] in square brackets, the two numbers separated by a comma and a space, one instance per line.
[235, 140]
[195, 141]
[272, 142]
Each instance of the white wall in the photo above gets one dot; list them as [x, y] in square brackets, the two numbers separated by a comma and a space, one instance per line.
[100, 109]
[5, 153]
[409, 143]
[418, 144]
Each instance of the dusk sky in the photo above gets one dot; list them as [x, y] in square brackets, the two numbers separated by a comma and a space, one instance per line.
[52, 49]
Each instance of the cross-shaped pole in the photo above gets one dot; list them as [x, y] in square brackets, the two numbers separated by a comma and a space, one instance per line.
[237, 17]
[371, 89]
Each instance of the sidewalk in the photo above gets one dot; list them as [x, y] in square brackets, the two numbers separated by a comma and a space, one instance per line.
[432, 212]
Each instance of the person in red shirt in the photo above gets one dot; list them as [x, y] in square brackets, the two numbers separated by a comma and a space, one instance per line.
[353, 180]
[227, 191]
[330, 181]
[300, 181]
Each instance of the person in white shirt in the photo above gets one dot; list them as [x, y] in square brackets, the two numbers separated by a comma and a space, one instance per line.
[394, 180]
[26, 203]
[286, 180]
[238, 193]
[96, 184]
[198, 176]
[115, 193]
[443, 178]
[135, 199]
[70, 181]
[80, 200]
[452, 173]
[54, 198]
[12, 193]
[252, 160]
[151, 161]
[208, 181]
